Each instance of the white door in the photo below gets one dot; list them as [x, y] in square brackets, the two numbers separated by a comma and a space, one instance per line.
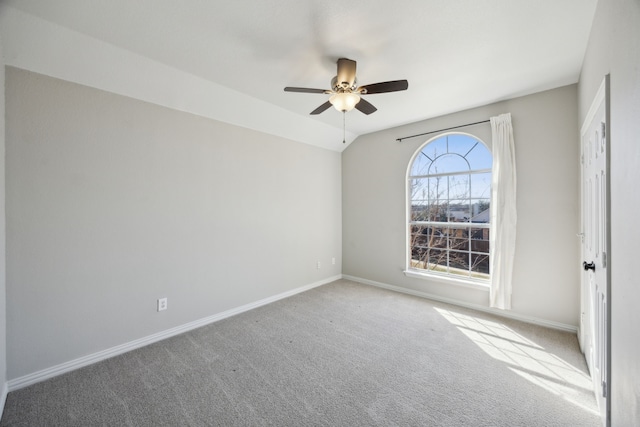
[594, 302]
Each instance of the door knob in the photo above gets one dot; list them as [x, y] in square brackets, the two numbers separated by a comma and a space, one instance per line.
[589, 266]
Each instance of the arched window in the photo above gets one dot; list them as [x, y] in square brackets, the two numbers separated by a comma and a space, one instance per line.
[449, 195]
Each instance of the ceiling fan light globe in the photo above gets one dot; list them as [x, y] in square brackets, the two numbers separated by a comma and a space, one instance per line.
[345, 101]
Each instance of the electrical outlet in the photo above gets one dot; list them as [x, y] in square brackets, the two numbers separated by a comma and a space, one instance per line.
[162, 304]
[333, 261]
[318, 265]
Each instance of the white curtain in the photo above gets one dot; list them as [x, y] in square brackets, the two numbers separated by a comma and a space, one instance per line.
[503, 211]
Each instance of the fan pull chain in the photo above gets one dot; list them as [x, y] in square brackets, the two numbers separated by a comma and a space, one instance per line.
[344, 127]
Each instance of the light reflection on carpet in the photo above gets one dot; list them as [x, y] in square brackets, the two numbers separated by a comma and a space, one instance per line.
[526, 358]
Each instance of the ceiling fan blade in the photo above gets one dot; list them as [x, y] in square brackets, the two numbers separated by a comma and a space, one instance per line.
[365, 107]
[392, 86]
[304, 90]
[321, 108]
[346, 72]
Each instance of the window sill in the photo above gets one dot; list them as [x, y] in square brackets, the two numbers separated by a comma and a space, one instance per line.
[468, 283]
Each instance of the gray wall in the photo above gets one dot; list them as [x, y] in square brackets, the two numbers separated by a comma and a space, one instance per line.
[614, 47]
[546, 274]
[113, 203]
[3, 275]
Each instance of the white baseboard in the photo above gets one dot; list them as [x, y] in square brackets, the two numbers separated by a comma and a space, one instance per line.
[502, 313]
[44, 374]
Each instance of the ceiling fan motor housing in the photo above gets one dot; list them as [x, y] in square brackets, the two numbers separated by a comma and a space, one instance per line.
[343, 86]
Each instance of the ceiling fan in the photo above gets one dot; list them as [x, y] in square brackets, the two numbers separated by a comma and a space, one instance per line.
[346, 94]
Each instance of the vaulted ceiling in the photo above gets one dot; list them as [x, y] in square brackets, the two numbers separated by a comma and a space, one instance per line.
[231, 60]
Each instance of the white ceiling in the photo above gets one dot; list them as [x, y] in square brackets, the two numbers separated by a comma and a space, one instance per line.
[237, 56]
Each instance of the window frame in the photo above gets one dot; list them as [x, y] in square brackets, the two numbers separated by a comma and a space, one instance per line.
[444, 277]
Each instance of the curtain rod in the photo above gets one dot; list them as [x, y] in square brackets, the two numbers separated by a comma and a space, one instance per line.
[442, 130]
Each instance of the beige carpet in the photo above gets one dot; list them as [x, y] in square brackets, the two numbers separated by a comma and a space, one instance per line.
[343, 354]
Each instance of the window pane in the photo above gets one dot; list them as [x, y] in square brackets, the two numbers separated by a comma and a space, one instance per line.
[438, 188]
[437, 212]
[459, 263]
[480, 240]
[460, 210]
[435, 148]
[481, 186]
[437, 260]
[449, 163]
[419, 189]
[480, 210]
[420, 165]
[463, 144]
[480, 157]
[419, 211]
[480, 266]
[459, 240]
[438, 237]
[459, 186]
[419, 245]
